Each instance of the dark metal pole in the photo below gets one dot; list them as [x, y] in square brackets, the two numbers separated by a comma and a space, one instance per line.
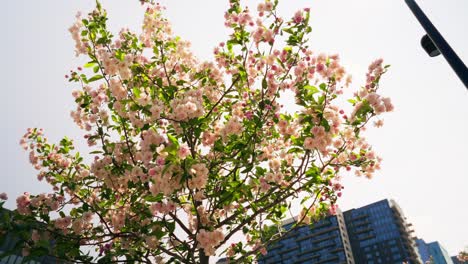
[452, 58]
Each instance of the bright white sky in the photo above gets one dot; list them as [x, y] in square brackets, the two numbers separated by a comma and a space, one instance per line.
[423, 143]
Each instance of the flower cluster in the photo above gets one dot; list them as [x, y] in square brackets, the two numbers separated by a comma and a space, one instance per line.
[83, 223]
[165, 180]
[63, 223]
[86, 119]
[199, 178]
[22, 204]
[113, 66]
[81, 46]
[188, 106]
[208, 240]
[162, 208]
[155, 27]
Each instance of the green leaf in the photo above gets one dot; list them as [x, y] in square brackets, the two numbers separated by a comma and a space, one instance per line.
[365, 108]
[248, 168]
[295, 150]
[323, 86]
[173, 140]
[325, 124]
[120, 55]
[311, 88]
[171, 226]
[136, 91]
[90, 64]
[95, 78]
[153, 199]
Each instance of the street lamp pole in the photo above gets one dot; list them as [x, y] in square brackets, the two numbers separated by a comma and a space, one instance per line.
[443, 47]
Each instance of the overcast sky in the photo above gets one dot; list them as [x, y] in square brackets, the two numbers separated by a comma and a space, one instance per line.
[424, 141]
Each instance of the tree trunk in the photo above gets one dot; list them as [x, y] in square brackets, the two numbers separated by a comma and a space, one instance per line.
[204, 259]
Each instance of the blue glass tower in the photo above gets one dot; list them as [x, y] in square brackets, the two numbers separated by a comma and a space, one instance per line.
[435, 250]
[9, 242]
[324, 242]
[379, 233]
[373, 234]
[455, 260]
[423, 250]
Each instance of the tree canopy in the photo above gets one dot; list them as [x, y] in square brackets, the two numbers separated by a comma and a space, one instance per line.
[188, 153]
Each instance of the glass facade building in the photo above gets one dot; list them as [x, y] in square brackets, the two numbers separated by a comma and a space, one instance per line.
[423, 250]
[455, 260]
[373, 234]
[9, 243]
[435, 250]
[324, 242]
[379, 233]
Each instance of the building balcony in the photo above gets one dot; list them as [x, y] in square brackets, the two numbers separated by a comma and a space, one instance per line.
[323, 239]
[333, 259]
[288, 250]
[408, 242]
[329, 260]
[405, 231]
[314, 234]
[337, 250]
[358, 217]
[268, 256]
[273, 262]
[315, 249]
[323, 224]
[304, 259]
[366, 222]
[365, 230]
[311, 250]
[290, 235]
[276, 246]
[370, 236]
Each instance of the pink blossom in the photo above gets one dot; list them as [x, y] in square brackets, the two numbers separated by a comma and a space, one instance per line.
[208, 240]
[298, 17]
[22, 203]
[332, 209]
[183, 151]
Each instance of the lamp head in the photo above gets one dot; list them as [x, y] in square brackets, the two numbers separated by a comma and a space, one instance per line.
[429, 46]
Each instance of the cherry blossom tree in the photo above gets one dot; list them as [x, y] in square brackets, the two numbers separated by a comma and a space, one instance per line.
[189, 154]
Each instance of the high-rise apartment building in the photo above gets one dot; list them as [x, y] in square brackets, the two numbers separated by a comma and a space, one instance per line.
[455, 260]
[324, 242]
[372, 234]
[433, 250]
[379, 233]
[9, 242]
